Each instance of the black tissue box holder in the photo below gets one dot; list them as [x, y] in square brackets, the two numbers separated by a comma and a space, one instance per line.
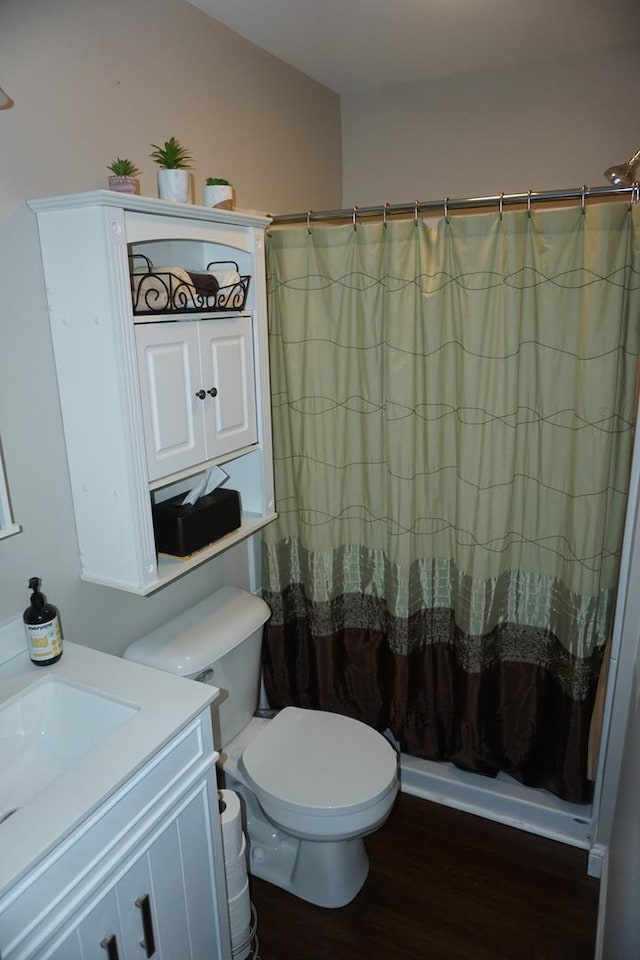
[181, 529]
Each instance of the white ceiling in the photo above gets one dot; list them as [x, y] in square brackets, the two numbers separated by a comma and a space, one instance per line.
[354, 46]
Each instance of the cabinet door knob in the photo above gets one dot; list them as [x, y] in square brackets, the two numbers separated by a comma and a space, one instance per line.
[200, 394]
[110, 944]
[213, 391]
[148, 943]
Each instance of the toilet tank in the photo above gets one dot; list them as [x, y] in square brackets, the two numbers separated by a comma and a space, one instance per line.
[218, 641]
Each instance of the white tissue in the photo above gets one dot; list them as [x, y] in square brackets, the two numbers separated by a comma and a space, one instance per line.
[209, 480]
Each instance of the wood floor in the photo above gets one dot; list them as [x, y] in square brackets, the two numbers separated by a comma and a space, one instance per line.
[444, 885]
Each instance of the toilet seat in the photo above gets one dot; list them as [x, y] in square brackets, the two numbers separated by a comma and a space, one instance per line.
[313, 762]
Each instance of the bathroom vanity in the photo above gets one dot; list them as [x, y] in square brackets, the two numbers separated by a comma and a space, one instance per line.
[114, 851]
[159, 379]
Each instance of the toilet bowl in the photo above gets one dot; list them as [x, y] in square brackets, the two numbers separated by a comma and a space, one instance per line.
[313, 784]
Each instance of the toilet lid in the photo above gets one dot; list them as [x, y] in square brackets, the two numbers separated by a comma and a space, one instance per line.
[312, 759]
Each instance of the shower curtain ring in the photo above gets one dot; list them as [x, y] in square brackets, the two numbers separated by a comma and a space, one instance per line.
[529, 204]
[355, 211]
[501, 205]
[634, 196]
[583, 197]
[415, 213]
[384, 214]
[309, 222]
[446, 209]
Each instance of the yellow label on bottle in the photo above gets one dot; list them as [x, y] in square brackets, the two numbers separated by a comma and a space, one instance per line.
[45, 639]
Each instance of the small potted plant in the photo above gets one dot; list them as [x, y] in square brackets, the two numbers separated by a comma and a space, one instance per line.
[174, 161]
[218, 192]
[124, 175]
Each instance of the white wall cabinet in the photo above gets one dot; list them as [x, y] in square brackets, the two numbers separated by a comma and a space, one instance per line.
[198, 391]
[142, 877]
[134, 427]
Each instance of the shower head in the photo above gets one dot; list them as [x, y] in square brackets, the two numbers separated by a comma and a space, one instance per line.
[624, 175]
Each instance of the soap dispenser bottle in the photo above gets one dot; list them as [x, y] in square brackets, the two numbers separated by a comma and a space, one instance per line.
[42, 626]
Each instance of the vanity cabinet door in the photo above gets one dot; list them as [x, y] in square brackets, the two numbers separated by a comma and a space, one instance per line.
[137, 912]
[162, 902]
[172, 396]
[100, 934]
[68, 949]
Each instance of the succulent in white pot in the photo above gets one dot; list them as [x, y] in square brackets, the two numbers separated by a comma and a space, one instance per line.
[124, 174]
[218, 192]
[174, 161]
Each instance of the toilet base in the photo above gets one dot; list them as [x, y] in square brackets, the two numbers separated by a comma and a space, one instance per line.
[325, 873]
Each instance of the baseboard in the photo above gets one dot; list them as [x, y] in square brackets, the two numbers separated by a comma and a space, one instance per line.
[502, 799]
[602, 902]
[597, 858]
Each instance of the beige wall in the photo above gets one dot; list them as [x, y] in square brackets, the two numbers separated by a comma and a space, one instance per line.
[547, 127]
[93, 79]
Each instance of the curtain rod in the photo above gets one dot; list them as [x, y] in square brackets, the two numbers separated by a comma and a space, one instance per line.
[445, 206]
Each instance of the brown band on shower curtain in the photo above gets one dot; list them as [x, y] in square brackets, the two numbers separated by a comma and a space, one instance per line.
[511, 716]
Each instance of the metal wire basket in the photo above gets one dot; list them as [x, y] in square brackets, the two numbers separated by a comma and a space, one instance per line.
[174, 290]
[250, 944]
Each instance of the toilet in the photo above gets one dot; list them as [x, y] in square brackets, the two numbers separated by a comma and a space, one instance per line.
[313, 784]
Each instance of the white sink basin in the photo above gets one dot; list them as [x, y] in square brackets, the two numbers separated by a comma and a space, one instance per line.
[45, 730]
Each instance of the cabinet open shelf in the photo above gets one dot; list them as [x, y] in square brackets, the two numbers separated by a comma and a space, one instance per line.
[170, 568]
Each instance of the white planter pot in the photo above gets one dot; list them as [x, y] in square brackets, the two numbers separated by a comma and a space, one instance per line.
[218, 195]
[174, 185]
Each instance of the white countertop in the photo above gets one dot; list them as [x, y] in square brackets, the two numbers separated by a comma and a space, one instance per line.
[165, 703]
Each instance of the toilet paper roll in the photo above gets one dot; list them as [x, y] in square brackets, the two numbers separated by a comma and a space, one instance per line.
[236, 871]
[239, 914]
[242, 947]
[231, 824]
[226, 278]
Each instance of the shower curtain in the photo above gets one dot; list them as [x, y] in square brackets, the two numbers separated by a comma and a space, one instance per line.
[453, 410]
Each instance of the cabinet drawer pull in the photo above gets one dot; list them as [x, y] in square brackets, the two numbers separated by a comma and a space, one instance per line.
[200, 394]
[213, 391]
[149, 941]
[110, 944]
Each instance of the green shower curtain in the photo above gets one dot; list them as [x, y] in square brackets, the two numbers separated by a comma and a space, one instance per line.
[453, 410]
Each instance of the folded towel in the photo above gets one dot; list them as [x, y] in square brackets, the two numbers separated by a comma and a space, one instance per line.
[166, 288]
[149, 292]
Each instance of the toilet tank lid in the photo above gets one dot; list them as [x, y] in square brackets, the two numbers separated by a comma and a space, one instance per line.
[192, 641]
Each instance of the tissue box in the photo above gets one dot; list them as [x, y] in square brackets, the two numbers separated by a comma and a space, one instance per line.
[181, 529]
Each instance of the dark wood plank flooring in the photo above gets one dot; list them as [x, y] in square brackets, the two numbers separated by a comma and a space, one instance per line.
[444, 885]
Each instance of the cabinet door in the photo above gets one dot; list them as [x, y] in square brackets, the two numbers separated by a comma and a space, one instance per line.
[68, 949]
[100, 933]
[226, 354]
[137, 912]
[163, 902]
[173, 400]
